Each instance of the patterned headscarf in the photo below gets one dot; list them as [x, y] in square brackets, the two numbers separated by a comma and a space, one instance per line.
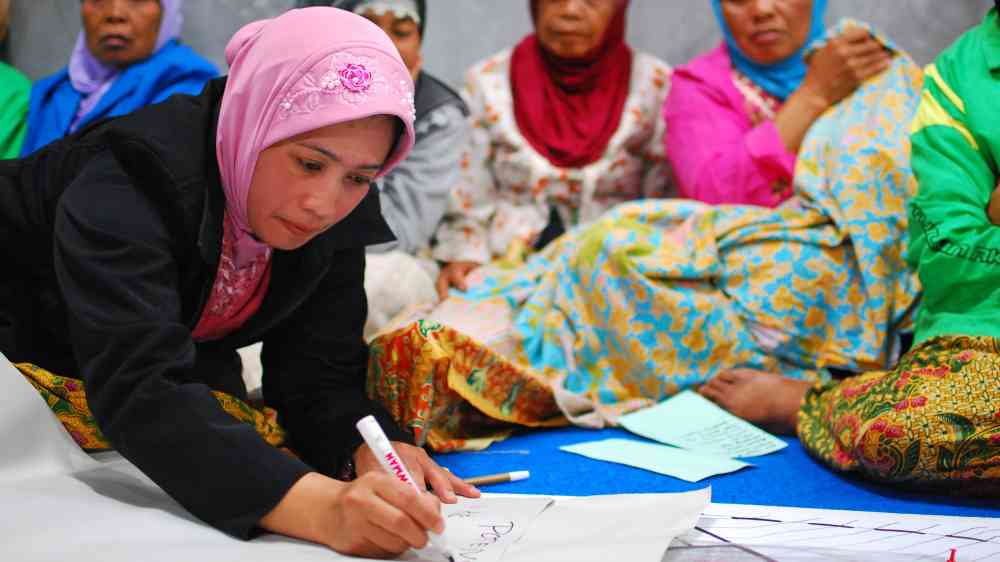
[303, 70]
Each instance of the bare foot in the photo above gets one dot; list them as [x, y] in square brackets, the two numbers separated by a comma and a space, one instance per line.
[765, 399]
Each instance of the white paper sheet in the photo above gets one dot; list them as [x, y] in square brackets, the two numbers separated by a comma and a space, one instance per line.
[785, 534]
[482, 530]
[33, 443]
[59, 503]
[624, 527]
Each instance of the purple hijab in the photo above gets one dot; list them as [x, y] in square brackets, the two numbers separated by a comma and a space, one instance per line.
[93, 79]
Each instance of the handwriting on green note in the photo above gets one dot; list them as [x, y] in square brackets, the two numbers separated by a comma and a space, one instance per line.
[692, 422]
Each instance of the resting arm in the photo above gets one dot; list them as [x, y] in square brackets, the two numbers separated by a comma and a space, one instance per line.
[714, 159]
[953, 245]
[463, 234]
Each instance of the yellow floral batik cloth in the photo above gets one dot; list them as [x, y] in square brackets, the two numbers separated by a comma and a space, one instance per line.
[68, 401]
[658, 296]
[453, 392]
[933, 421]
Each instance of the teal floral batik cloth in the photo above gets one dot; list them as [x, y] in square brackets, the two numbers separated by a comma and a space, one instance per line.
[661, 295]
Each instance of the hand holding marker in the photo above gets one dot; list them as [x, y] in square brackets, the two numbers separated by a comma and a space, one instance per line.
[377, 441]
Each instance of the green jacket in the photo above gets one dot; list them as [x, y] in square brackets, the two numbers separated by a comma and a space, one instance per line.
[15, 91]
[956, 139]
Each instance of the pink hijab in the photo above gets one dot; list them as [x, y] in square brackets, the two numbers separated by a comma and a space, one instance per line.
[298, 72]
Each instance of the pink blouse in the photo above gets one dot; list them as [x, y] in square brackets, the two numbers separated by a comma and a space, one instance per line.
[237, 293]
[721, 150]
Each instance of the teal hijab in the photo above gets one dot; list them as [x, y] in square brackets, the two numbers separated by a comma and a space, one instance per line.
[781, 78]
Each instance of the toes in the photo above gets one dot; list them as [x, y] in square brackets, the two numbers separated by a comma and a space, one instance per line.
[714, 385]
[727, 377]
[711, 392]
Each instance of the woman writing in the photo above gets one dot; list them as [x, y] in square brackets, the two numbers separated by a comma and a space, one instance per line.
[192, 228]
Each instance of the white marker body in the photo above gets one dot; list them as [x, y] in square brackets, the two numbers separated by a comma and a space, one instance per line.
[377, 441]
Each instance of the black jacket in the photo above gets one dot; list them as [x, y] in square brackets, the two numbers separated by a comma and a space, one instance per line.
[110, 241]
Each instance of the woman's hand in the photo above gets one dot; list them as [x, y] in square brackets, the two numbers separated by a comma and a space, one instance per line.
[375, 516]
[837, 69]
[422, 468]
[993, 211]
[454, 275]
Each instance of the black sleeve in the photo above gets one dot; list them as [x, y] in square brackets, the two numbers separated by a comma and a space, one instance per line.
[120, 281]
[315, 365]
[15, 317]
[21, 241]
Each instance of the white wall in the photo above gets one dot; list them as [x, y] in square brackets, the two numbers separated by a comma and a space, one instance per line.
[460, 32]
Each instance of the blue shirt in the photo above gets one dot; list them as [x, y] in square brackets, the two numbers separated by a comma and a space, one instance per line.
[174, 69]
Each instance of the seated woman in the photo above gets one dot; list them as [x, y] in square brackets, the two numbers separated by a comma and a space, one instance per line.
[737, 114]
[127, 56]
[155, 244]
[658, 296]
[565, 126]
[414, 196]
[14, 92]
[934, 420]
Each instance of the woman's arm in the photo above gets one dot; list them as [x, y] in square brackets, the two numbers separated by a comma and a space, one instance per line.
[714, 158]
[835, 71]
[462, 238]
[115, 264]
[954, 246]
[462, 235]
[655, 175]
[316, 364]
[374, 516]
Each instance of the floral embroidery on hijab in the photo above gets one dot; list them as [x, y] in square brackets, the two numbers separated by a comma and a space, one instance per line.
[349, 76]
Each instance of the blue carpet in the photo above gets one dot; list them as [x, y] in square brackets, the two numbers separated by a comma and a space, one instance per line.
[789, 477]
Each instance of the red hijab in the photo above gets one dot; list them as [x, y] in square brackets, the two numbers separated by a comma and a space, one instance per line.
[569, 109]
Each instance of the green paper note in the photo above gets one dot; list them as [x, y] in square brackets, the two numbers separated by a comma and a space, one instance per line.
[662, 459]
[692, 422]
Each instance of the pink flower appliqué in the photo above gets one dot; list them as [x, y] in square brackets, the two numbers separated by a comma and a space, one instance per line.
[355, 77]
